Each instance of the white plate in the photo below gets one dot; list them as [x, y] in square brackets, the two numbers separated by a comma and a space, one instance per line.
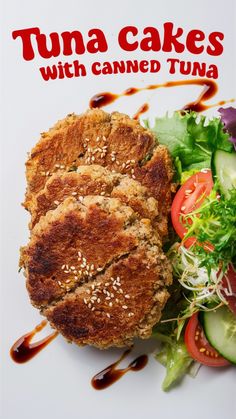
[56, 383]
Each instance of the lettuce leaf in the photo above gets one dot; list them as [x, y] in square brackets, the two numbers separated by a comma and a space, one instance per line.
[177, 361]
[191, 139]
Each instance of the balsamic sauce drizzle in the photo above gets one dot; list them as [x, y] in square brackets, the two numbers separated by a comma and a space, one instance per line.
[111, 374]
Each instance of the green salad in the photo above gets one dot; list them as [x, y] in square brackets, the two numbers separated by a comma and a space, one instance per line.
[198, 325]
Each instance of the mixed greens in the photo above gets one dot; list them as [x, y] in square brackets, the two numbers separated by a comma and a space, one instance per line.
[203, 252]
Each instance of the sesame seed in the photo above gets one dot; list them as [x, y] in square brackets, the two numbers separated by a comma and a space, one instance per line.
[74, 193]
[63, 267]
[79, 254]
[98, 300]
[72, 267]
[81, 198]
[114, 288]
[107, 298]
[92, 267]
[56, 202]
[120, 291]
[93, 287]
[183, 208]
[59, 283]
[85, 301]
[108, 315]
[102, 193]
[124, 307]
[127, 296]
[67, 281]
[93, 308]
[62, 166]
[87, 139]
[107, 284]
[133, 177]
[117, 301]
[110, 304]
[88, 291]
[93, 158]
[99, 269]
[47, 173]
[130, 314]
[89, 305]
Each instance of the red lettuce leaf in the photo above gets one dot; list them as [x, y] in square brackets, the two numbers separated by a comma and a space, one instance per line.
[228, 117]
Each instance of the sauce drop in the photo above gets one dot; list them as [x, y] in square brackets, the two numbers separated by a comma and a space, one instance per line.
[22, 350]
[144, 108]
[102, 99]
[111, 374]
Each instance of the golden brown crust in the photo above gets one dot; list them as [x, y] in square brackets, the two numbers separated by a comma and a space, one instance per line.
[114, 141]
[156, 175]
[101, 229]
[93, 180]
[117, 306]
[78, 246]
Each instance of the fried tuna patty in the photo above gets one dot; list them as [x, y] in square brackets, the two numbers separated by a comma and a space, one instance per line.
[93, 180]
[98, 251]
[111, 140]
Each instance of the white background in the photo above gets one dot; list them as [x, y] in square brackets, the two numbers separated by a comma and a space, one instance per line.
[56, 383]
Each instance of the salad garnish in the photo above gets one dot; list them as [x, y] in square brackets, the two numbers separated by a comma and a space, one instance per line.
[198, 325]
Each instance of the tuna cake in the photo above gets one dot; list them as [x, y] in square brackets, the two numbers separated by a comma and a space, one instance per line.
[112, 140]
[93, 180]
[97, 271]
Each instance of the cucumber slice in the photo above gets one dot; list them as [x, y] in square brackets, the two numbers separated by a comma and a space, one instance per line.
[220, 329]
[224, 167]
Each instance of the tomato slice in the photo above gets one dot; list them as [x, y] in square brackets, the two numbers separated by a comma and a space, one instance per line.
[229, 288]
[188, 198]
[199, 347]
